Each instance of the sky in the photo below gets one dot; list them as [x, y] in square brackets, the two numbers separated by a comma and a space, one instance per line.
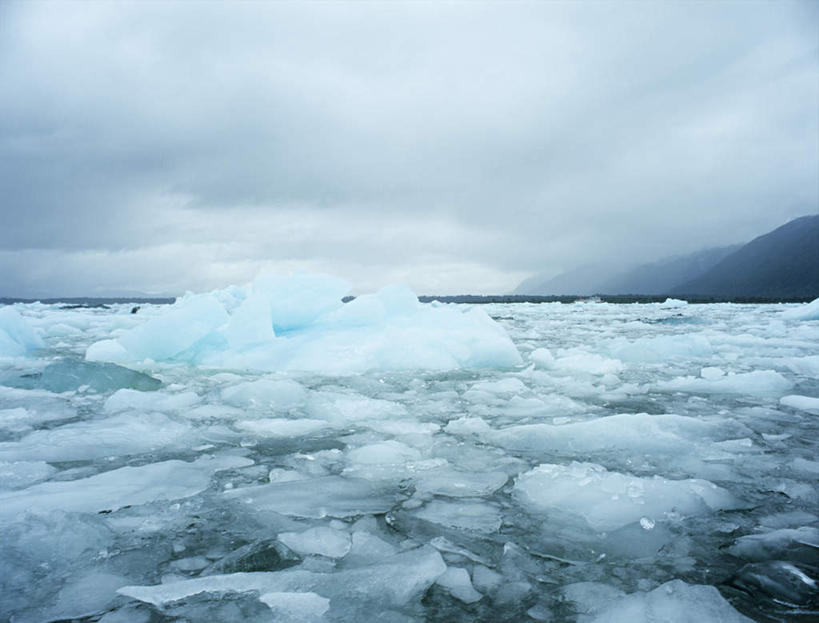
[458, 147]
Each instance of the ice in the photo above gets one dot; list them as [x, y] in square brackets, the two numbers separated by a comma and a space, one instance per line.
[115, 436]
[802, 403]
[281, 427]
[660, 348]
[20, 474]
[670, 303]
[126, 486]
[296, 607]
[17, 336]
[129, 399]
[610, 500]
[758, 382]
[775, 543]
[312, 330]
[393, 582]
[327, 496]
[351, 462]
[321, 540]
[450, 482]
[473, 516]
[456, 581]
[808, 311]
[71, 374]
[266, 394]
[673, 602]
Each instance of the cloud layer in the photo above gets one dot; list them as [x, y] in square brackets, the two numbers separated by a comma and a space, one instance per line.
[458, 147]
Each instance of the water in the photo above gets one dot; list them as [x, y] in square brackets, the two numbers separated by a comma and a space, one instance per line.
[637, 445]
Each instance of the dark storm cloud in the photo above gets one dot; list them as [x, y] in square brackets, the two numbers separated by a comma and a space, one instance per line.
[459, 147]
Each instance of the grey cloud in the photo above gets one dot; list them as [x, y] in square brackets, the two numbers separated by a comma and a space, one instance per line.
[456, 146]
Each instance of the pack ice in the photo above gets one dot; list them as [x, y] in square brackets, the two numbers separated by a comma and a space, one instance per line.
[268, 453]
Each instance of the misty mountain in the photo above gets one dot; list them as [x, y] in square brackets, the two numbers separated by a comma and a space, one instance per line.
[657, 277]
[583, 281]
[782, 263]
[651, 279]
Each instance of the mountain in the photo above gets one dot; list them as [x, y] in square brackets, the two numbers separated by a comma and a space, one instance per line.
[583, 281]
[652, 278]
[782, 263]
[658, 277]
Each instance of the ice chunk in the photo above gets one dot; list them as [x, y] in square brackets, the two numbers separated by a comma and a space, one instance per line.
[781, 581]
[610, 500]
[808, 311]
[660, 348]
[70, 374]
[125, 399]
[296, 607]
[758, 382]
[126, 486]
[482, 517]
[92, 439]
[385, 452]
[17, 337]
[579, 361]
[19, 474]
[673, 602]
[394, 582]
[176, 330]
[802, 403]
[85, 596]
[280, 394]
[282, 427]
[320, 540]
[326, 496]
[672, 304]
[485, 579]
[775, 543]
[313, 330]
[456, 581]
[455, 483]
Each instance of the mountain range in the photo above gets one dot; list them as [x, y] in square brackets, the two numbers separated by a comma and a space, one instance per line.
[782, 263]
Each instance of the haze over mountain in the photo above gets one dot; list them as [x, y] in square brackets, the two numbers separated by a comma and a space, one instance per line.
[781, 263]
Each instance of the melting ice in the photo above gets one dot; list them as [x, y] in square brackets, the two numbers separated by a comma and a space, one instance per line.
[269, 453]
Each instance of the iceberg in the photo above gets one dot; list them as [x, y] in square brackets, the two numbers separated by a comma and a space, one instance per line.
[808, 311]
[300, 323]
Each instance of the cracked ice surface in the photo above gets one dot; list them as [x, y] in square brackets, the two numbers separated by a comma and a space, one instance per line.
[266, 453]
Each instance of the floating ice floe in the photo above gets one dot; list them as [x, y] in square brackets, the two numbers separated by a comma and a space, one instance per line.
[126, 486]
[392, 582]
[802, 403]
[300, 323]
[673, 602]
[610, 500]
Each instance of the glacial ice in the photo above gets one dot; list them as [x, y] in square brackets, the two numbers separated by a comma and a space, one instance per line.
[300, 323]
[802, 403]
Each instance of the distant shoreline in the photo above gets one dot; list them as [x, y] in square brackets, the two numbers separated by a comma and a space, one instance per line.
[474, 299]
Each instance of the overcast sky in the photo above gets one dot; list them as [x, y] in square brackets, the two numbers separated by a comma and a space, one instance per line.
[458, 147]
